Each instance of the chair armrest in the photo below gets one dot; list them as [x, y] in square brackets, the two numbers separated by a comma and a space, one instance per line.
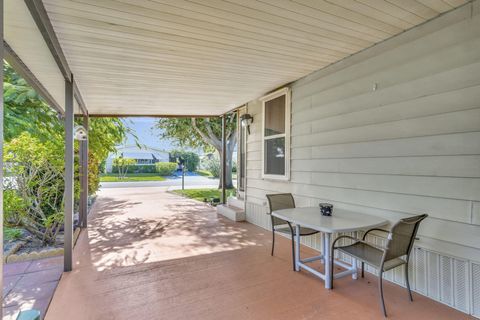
[345, 237]
[358, 240]
[374, 229]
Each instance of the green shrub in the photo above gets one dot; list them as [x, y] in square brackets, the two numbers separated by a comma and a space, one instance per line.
[14, 207]
[166, 168]
[12, 233]
[191, 159]
[34, 201]
[213, 166]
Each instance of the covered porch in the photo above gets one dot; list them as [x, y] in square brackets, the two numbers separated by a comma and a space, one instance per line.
[379, 114]
[153, 254]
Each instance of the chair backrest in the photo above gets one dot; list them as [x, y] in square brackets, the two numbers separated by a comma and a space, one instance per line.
[277, 202]
[402, 237]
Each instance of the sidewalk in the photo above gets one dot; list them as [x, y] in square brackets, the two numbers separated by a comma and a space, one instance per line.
[190, 182]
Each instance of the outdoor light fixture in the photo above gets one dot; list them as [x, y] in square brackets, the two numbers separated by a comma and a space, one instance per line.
[80, 133]
[246, 120]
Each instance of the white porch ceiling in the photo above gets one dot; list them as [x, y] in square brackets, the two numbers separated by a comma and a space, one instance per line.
[23, 36]
[205, 57]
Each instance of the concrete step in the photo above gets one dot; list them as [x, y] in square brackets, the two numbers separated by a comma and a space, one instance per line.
[235, 202]
[231, 212]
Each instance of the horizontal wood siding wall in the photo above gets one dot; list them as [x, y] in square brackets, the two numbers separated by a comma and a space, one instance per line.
[411, 146]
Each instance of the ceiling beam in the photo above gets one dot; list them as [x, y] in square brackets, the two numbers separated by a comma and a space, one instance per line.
[79, 99]
[149, 116]
[21, 68]
[40, 16]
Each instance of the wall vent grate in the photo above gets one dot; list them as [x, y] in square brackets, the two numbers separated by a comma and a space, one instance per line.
[433, 275]
[420, 267]
[461, 285]
[446, 280]
[476, 289]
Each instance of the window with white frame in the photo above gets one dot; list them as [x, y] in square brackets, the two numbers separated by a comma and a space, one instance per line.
[276, 135]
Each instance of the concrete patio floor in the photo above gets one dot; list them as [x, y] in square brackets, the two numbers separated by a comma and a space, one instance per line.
[30, 285]
[149, 254]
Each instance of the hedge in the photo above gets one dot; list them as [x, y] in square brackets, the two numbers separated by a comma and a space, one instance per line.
[165, 168]
[141, 168]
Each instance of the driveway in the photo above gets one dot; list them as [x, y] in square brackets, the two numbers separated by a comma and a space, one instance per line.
[173, 182]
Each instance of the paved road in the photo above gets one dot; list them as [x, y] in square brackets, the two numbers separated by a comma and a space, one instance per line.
[174, 183]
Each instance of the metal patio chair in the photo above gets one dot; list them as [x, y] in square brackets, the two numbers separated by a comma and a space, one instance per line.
[397, 251]
[284, 201]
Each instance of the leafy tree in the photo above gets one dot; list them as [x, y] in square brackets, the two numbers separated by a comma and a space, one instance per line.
[35, 190]
[26, 111]
[190, 159]
[203, 133]
[103, 136]
[122, 165]
[34, 154]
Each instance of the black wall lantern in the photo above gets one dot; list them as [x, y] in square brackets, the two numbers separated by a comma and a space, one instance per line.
[246, 120]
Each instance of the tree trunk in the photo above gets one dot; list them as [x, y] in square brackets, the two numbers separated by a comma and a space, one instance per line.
[210, 138]
[228, 180]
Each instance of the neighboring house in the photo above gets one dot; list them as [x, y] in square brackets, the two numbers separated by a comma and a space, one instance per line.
[142, 156]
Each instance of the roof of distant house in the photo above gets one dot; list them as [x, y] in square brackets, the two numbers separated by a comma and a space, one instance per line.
[141, 149]
[137, 155]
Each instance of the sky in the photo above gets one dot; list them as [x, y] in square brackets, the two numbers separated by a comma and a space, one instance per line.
[147, 135]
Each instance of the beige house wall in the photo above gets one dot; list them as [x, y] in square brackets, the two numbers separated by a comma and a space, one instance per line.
[410, 146]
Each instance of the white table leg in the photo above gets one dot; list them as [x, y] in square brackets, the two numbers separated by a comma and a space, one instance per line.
[322, 239]
[328, 271]
[297, 247]
[354, 261]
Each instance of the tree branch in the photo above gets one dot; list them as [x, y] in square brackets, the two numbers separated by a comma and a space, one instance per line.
[212, 135]
[207, 138]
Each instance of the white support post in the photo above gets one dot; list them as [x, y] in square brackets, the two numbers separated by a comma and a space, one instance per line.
[328, 271]
[354, 261]
[322, 239]
[69, 174]
[297, 247]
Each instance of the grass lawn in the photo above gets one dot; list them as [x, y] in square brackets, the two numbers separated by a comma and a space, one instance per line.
[113, 177]
[204, 173]
[201, 194]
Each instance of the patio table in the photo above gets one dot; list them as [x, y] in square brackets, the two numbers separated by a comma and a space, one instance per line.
[340, 221]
